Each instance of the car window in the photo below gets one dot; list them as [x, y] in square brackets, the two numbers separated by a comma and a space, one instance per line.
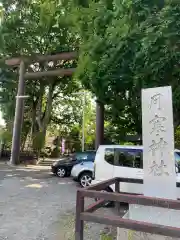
[177, 161]
[91, 156]
[81, 156]
[109, 155]
[177, 156]
[124, 157]
[129, 158]
[138, 161]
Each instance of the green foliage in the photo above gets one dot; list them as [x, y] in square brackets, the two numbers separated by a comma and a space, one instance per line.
[67, 116]
[28, 28]
[6, 138]
[177, 137]
[106, 237]
[127, 47]
[38, 141]
[127, 143]
[124, 46]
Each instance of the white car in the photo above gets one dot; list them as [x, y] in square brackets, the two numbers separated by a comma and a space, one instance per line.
[83, 173]
[127, 162]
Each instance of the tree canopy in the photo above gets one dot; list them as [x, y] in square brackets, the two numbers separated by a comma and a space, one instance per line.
[126, 46]
[24, 31]
[123, 46]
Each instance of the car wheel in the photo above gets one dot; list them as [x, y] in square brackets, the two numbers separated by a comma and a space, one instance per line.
[85, 179]
[61, 172]
[108, 203]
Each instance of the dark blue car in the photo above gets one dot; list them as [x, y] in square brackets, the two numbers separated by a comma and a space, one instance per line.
[62, 167]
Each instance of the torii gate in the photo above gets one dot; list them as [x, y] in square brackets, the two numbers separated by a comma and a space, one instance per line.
[19, 111]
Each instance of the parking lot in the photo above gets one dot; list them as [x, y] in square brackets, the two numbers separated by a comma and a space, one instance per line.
[35, 205]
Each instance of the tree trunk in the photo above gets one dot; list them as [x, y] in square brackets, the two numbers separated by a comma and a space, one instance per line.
[37, 120]
[48, 110]
[41, 119]
[24, 139]
[39, 105]
[33, 125]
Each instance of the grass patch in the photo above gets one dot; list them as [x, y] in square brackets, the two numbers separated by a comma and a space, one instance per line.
[66, 230]
[106, 237]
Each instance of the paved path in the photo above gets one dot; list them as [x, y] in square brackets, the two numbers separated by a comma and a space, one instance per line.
[34, 205]
[31, 201]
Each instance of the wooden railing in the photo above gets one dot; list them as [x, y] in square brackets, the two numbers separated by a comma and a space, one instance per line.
[94, 192]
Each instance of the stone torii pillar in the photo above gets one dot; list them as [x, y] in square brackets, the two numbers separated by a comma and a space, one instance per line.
[18, 119]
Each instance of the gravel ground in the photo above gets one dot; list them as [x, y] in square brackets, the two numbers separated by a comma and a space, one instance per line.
[92, 231]
[34, 205]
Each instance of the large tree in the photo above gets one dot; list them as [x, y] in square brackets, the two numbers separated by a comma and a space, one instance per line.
[26, 31]
[126, 46]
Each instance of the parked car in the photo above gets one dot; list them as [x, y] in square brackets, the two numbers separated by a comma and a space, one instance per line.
[124, 161]
[62, 167]
[83, 173]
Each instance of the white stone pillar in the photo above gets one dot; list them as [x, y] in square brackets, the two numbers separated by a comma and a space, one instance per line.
[158, 163]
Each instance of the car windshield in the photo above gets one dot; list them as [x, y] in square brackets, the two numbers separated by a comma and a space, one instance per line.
[81, 156]
[78, 156]
[72, 157]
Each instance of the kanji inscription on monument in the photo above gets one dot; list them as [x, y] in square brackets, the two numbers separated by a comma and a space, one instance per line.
[157, 125]
[155, 101]
[158, 165]
[158, 143]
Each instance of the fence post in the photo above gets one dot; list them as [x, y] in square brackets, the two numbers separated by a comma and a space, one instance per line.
[117, 187]
[79, 227]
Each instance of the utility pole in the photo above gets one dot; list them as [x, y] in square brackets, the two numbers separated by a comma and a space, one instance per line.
[18, 119]
[83, 101]
[83, 121]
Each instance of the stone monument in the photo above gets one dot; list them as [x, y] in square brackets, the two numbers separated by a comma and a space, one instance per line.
[158, 164]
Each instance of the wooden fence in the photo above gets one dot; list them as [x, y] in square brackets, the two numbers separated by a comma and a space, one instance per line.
[94, 192]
